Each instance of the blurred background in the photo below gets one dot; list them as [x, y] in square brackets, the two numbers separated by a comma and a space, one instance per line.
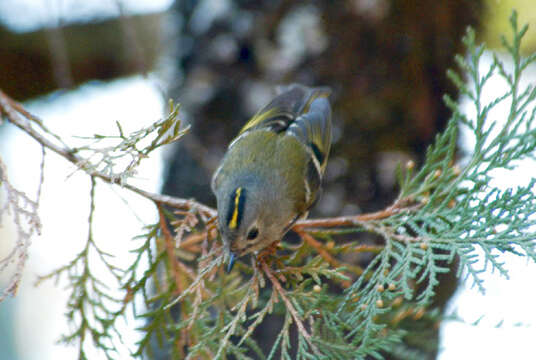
[82, 65]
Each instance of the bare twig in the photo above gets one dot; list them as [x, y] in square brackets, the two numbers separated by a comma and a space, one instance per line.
[11, 109]
[399, 206]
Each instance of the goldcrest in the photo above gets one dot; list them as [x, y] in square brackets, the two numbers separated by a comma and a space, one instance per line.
[271, 173]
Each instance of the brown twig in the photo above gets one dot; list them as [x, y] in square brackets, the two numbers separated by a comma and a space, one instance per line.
[320, 249]
[299, 324]
[397, 207]
[170, 250]
[327, 256]
[191, 241]
[367, 248]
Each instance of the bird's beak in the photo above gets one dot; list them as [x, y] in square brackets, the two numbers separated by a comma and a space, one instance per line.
[232, 259]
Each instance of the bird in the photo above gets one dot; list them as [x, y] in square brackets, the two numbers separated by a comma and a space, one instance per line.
[271, 173]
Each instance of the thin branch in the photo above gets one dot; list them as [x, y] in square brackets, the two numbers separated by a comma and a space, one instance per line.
[328, 257]
[11, 112]
[170, 251]
[41, 176]
[399, 206]
[289, 306]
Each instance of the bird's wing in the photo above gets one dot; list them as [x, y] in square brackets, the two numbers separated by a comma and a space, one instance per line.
[284, 109]
[313, 128]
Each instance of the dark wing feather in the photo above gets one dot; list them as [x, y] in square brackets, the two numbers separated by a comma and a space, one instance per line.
[285, 108]
[313, 128]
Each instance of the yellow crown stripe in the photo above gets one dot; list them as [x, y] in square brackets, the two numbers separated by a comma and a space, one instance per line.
[234, 218]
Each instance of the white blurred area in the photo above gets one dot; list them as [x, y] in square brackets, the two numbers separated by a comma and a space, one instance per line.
[507, 310]
[38, 313]
[29, 15]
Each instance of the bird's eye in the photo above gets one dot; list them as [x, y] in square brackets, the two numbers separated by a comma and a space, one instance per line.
[253, 233]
